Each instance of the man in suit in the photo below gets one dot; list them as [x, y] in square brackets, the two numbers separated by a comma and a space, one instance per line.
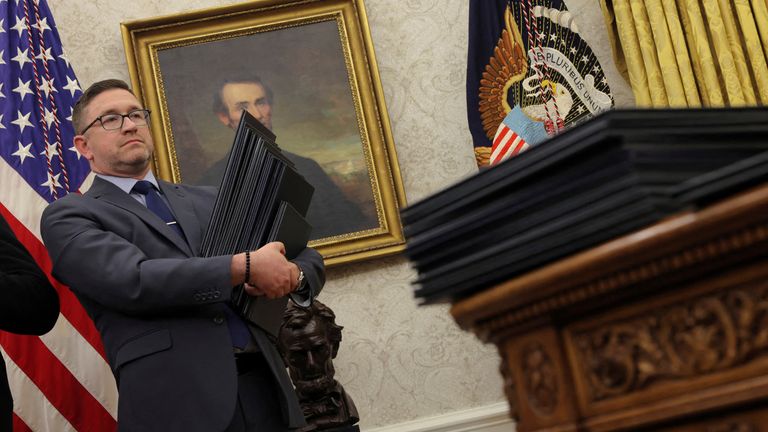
[330, 212]
[28, 304]
[129, 250]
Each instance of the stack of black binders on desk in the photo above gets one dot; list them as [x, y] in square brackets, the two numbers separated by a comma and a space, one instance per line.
[262, 198]
[609, 176]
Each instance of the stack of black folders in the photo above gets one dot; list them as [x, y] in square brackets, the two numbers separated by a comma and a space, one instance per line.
[262, 198]
[608, 176]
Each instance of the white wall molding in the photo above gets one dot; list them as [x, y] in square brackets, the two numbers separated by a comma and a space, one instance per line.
[489, 418]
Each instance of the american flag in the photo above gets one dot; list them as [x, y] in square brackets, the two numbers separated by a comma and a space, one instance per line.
[59, 381]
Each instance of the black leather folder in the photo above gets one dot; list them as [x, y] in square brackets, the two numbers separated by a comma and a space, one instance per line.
[706, 188]
[291, 228]
[613, 174]
[262, 198]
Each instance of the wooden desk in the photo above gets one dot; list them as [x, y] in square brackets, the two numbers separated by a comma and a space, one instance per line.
[663, 329]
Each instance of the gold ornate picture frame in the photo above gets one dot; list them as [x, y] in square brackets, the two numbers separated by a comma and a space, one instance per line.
[315, 63]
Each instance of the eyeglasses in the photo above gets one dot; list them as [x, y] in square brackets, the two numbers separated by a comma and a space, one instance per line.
[139, 117]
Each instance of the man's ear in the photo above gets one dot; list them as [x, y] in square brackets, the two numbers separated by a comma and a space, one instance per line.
[81, 144]
[223, 118]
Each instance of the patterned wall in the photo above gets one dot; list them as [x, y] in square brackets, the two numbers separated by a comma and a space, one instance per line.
[398, 361]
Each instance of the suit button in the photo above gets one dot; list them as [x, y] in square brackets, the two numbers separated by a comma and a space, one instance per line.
[218, 320]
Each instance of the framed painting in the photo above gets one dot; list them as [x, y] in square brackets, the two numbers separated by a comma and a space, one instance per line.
[306, 70]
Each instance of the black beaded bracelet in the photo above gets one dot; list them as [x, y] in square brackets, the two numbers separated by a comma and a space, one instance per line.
[247, 266]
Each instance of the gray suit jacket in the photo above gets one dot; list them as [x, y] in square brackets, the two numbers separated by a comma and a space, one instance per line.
[159, 307]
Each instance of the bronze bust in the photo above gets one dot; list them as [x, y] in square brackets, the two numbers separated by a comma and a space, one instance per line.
[309, 340]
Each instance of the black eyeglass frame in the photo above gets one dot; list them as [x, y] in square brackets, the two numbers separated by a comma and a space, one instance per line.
[122, 119]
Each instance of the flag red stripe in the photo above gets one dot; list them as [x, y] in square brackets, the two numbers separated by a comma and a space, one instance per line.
[19, 425]
[507, 145]
[500, 137]
[63, 390]
[70, 307]
[519, 147]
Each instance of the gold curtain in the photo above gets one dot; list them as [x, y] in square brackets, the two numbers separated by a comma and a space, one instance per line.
[691, 53]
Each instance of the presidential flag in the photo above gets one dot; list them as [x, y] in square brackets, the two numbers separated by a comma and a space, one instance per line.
[528, 70]
[59, 381]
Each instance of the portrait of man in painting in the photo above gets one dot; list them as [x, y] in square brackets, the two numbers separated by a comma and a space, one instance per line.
[295, 81]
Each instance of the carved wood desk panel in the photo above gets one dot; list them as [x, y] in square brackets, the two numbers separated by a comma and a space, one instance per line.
[664, 329]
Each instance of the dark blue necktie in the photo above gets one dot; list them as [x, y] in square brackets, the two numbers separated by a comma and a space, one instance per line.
[156, 204]
[237, 328]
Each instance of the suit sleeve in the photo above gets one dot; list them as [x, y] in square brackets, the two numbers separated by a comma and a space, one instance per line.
[311, 263]
[28, 302]
[112, 271]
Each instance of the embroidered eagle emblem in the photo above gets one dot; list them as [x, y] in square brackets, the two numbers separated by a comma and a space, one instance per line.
[541, 80]
[508, 66]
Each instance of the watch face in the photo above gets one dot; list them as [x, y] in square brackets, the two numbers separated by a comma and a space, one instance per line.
[302, 281]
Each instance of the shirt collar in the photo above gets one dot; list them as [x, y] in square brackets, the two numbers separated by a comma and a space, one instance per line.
[126, 183]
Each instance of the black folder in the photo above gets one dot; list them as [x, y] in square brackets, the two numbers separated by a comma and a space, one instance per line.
[262, 198]
[293, 230]
[613, 174]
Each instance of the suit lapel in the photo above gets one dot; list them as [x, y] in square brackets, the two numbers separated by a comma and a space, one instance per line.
[184, 210]
[107, 192]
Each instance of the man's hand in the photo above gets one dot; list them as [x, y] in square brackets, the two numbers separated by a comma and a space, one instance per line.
[271, 274]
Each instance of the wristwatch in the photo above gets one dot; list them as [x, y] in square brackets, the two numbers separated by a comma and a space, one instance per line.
[301, 281]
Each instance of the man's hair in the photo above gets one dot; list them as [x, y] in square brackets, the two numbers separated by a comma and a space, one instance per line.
[218, 103]
[91, 92]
